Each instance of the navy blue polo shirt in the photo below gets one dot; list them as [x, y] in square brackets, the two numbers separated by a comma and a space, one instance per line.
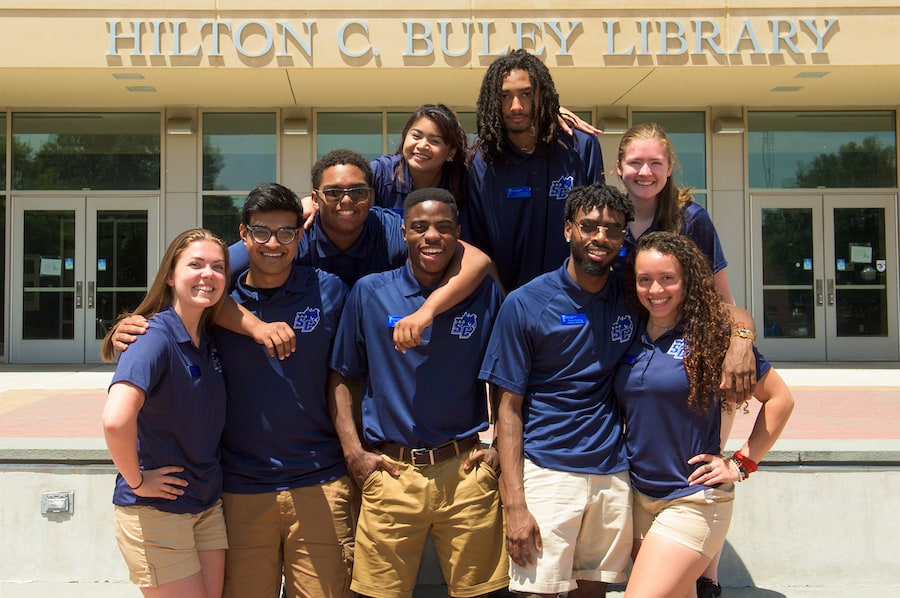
[183, 414]
[558, 346]
[515, 211]
[662, 431]
[279, 434]
[379, 247]
[390, 192]
[695, 225]
[431, 394]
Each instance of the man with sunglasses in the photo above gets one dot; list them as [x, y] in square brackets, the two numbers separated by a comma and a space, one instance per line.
[553, 352]
[287, 497]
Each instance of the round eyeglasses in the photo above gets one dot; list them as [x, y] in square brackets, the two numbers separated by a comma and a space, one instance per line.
[261, 234]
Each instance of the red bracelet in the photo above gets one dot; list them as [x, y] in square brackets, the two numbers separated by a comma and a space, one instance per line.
[748, 464]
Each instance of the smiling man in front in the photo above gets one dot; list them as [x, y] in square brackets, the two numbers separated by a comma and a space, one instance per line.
[421, 413]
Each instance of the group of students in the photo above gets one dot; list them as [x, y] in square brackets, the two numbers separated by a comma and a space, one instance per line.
[325, 457]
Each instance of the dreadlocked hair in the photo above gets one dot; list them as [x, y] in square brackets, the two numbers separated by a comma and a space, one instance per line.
[671, 201]
[704, 317]
[491, 132]
[453, 171]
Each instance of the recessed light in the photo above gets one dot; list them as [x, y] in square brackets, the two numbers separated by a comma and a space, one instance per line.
[811, 75]
[786, 88]
[140, 88]
[132, 76]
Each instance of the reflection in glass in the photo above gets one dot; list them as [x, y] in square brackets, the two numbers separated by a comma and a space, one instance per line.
[687, 132]
[239, 150]
[360, 131]
[860, 255]
[222, 215]
[48, 275]
[121, 265]
[832, 149]
[787, 265]
[77, 150]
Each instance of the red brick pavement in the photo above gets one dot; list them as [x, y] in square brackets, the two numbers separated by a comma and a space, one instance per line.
[835, 413]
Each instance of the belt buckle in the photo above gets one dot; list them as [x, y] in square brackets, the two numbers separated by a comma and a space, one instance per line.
[427, 456]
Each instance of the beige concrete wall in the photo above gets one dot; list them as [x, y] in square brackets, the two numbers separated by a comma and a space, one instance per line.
[792, 526]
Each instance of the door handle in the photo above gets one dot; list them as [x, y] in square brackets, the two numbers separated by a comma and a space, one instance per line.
[830, 292]
[90, 295]
[78, 289]
[820, 298]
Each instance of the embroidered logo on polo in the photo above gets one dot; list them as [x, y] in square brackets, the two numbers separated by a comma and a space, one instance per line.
[560, 187]
[677, 349]
[622, 329]
[464, 326]
[307, 320]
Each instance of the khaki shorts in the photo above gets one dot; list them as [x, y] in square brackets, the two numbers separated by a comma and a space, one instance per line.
[699, 521]
[306, 532]
[160, 547]
[460, 509]
[585, 522]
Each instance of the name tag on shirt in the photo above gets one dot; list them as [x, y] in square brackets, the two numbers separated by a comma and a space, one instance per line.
[572, 319]
[518, 192]
[195, 371]
[392, 320]
[628, 359]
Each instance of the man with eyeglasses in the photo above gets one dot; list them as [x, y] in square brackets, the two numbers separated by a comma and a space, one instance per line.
[553, 352]
[287, 497]
[351, 237]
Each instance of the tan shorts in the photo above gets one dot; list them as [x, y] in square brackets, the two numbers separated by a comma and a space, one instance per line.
[462, 511]
[585, 522]
[699, 521]
[307, 532]
[160, 547]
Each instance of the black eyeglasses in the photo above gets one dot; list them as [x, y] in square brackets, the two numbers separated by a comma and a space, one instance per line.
[284, 235]
[589, 228]
[356, 194]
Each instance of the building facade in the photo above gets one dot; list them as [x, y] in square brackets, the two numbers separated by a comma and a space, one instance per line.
[124, 122]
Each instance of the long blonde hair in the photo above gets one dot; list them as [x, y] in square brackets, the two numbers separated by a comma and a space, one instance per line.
[159, 296]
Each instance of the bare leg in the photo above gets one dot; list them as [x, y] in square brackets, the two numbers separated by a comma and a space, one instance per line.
[188, 587]
[664, 569]
[212, 567]
[589, 589]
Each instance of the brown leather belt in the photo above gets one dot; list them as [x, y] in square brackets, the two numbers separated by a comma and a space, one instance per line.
[421, 457]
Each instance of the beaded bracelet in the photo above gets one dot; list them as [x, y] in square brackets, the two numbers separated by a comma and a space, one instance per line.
[745, 464]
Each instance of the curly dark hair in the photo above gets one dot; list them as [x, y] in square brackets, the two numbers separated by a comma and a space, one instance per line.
[491, 131]
[336, 158]
[671, 200]
[598, 195]
[704, 317]
[454, 171]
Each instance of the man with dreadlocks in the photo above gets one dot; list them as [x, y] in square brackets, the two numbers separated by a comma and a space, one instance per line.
[522, 168]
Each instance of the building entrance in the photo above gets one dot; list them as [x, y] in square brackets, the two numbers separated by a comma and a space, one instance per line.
[77, 263]
[825, 276]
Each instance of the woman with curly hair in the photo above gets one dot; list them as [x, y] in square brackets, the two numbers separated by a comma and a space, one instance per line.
[645, 163]
[432, 153]
[668, 389]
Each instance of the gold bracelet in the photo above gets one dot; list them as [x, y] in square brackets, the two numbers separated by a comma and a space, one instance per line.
[743, 333]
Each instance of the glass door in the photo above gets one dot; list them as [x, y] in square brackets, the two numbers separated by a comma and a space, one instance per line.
[77, 263]
[825, 277]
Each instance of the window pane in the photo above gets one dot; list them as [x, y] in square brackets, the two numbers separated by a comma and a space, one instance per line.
[395, 122]
[75, 150]
[2, 271]
[469, 122]
[835, 149]
[359, 131]
[3, 150]
[239, 150]
[687, 132]
[222, 215]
